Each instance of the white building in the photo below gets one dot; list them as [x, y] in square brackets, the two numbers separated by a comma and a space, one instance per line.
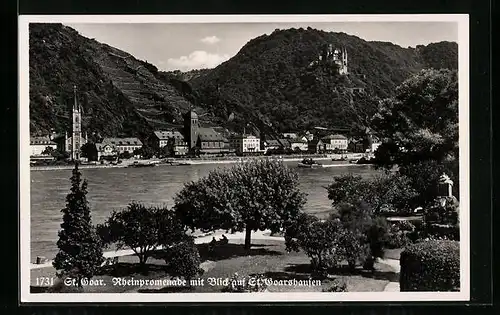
[122, 145]
[299, 144]
[289, 135]
[333, 142]
[245, 144]
[40, 145]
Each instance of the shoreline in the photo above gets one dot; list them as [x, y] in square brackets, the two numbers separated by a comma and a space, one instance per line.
[188, 162]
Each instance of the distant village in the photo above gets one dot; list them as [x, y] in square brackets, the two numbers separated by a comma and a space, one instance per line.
[194, 140]
[191, 140]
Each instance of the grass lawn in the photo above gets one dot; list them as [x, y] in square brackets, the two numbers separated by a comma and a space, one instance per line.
[267, 257]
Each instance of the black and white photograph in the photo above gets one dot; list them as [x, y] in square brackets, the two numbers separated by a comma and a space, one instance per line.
[234, 158]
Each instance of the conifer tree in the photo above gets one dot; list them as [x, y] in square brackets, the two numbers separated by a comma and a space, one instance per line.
[80, 248]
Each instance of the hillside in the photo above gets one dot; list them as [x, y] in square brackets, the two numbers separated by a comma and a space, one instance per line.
[120, 95]
[270, 82]
[268, 86]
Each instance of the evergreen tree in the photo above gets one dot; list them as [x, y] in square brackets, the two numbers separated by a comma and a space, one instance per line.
[80, 249]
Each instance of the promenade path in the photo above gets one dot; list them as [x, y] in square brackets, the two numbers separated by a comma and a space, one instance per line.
[206, 238]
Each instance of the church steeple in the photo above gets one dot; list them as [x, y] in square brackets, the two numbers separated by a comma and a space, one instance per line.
[75, 103]
[76, 140]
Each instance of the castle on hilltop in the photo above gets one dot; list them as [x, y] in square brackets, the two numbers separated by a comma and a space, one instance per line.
[330, 56]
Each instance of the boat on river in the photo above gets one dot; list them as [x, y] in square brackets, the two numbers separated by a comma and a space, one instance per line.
[309, 163]
[147, 164]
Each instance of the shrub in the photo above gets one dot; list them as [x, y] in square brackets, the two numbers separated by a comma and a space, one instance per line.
[443, 210]
[441, 231]
[183, 260]
[336, 286]
[430, 266]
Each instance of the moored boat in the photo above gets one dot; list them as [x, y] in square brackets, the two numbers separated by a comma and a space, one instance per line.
[309, 163]
[137, 164]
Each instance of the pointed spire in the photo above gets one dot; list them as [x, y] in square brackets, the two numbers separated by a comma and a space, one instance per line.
[75, 104]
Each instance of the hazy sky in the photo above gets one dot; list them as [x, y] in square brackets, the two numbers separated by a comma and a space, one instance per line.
[195, 46]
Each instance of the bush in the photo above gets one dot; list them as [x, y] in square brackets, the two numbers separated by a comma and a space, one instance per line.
[183, 260]
[442, 232]
[430, 266]
[336, 286]
[443, 210]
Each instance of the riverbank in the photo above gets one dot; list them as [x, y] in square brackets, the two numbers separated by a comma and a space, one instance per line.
[187, 162]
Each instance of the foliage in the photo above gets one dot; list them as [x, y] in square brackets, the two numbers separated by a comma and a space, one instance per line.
[48, 150]
[255, 195]
[443, 210]
[424, 177]
[80, 249]
[183, 260]
[89, 150]
[61, 58]
[440, 55]
[431, 266]
[388, 192]
[401, 234]
[365, 230]
[60, 156]
[251, 283]
[420, 122]
[336, 286]
[326, 242]
[270, 80]
[125, 155]
[147, 152]
[377, 234]
[142, 229]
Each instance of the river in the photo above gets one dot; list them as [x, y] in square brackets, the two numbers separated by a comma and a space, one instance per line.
[113, 188]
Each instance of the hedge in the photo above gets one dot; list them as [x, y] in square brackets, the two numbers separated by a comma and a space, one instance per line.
[430, 266]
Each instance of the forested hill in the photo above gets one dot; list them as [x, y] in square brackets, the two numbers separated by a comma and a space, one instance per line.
[268, 84]
[120, 95]
[270, 80]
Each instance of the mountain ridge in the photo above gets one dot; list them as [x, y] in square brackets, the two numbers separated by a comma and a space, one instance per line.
[268, 85]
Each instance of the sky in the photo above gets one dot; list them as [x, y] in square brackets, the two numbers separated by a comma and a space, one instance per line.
[196, 46]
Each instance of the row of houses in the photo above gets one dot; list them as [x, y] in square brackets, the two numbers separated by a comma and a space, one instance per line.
[192, 138]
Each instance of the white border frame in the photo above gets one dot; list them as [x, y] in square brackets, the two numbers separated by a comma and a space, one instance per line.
[24, 170]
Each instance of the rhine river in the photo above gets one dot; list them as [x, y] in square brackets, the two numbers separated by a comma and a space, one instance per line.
[113, 188]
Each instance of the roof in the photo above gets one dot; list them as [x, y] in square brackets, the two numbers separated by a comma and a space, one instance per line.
[273, 142]
[122, 141]
[101, 146]
[41, 140]
[245, 136]
[209, 134]
[298, 140]
[167, 134]
[335, 137]
[191, 114]
[315, 141]
[284, 142]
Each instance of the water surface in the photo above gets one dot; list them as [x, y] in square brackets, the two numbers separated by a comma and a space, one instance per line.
[113, 188]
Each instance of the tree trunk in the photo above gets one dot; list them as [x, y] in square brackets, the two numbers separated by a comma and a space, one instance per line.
[248, 237]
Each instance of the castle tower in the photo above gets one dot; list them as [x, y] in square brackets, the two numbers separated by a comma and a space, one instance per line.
[191, 125]
[77, 129]
[344, 61]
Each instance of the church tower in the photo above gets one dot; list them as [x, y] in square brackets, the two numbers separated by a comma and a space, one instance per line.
[191, 125]
[77, 129]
